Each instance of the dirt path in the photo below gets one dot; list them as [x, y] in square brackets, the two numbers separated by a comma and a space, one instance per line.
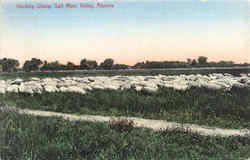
[140, 122]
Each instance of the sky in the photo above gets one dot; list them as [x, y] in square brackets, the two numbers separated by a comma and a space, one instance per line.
[132, 31]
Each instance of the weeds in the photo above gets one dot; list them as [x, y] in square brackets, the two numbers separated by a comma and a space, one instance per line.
[122, 125]
[37, 138]
[202, 106]
[143, 72]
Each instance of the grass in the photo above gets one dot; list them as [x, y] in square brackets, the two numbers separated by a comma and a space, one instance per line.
[143, 72]
[225, 109]
[25, 137]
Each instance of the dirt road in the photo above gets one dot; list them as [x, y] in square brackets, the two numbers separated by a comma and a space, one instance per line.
[142, 123]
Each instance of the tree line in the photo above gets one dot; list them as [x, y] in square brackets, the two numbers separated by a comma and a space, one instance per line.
[35, 64]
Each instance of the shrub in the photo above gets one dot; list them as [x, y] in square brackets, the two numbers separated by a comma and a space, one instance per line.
[122, 125]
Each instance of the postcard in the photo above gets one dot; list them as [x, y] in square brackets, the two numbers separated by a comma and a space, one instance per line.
[124, 80]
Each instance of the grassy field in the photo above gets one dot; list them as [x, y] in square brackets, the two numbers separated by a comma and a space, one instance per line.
[226, 109]
[35, 138]
[4, 76]
[24, 137]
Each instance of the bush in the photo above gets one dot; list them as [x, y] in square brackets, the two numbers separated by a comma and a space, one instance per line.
[122, 125]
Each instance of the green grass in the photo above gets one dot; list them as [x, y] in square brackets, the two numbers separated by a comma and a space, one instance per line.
[4, 76]
[226, 109]
[37, 138]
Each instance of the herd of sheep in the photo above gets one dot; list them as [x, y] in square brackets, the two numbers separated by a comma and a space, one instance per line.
[150, 83]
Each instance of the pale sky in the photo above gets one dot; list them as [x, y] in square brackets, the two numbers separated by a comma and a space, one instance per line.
[130, 32]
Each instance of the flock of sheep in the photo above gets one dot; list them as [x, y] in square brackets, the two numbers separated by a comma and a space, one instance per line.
[150, 83]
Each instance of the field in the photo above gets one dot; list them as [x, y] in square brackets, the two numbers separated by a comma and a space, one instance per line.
[142, 72]
[30, 137]
[25, 137]
[197, 105]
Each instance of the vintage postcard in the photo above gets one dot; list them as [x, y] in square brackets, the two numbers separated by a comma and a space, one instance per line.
[124, 79]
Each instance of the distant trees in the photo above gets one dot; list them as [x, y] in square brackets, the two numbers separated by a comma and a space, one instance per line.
[189, 61]
[32, 65]
[226, 63]
[70, 66]
[53, 66]
[88, 64]
[120, 66]
[107, 63]
[160, 64]
[202, 60]
[35, 64]
[84, 64]
[92, 64]
[9, 64]
[194, 62]
[139, 65]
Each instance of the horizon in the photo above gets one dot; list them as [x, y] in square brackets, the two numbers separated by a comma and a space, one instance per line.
[130, 32]
[98, 63]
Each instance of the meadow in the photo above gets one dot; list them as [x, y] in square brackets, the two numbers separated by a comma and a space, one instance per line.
[35, 138]
[129, 72]
[28, 137]
[226, 109]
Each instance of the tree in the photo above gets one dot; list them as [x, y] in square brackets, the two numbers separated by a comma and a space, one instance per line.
[52, 66]
[27, 66]
[45, 62]
[120, 66]
[84, 64]
[194, 62]
[226, 63]
[70, 65]
[139, 65]
[189, 61]
[9, 65]
[92, 64]
[32, 65]
[88, 64]
[107, 64]
[202, 60]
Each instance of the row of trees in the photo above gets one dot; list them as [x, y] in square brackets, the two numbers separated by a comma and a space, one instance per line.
[36, 64]
[10, 65]
[201, 61]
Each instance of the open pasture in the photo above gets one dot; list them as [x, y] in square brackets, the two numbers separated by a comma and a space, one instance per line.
[202, 98]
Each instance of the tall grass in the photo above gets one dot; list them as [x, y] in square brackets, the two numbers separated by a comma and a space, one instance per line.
[143, 72]
[35, 138]
[230, 109]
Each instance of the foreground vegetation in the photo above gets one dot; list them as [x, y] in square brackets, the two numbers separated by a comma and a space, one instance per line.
[24, 138]
[226, 109]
